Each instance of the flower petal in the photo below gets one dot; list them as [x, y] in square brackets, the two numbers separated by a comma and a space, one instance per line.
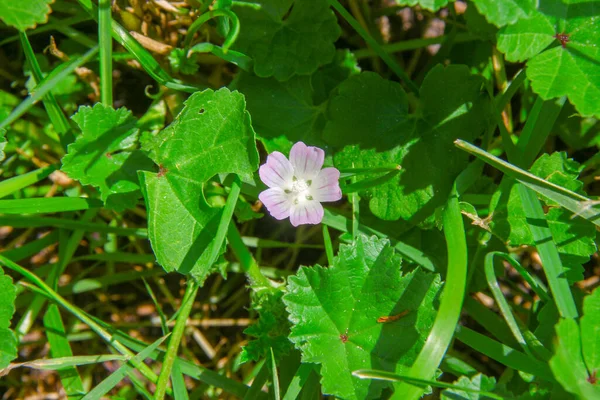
[326, 186]
[306, 160]
[277, 171]
[307, 212]
[277, 202]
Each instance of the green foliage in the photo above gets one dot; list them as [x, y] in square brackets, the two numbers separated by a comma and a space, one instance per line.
[287, 37]
[211, 135]
[576, 356]
[105, 155]
[271, 329]
[335, 311]
[574, 237]
[8, 341]
[571, 66]
[505, 12]
[180, 62]
[2, 143]
[24, 16]
[432, 5]
[452, 106]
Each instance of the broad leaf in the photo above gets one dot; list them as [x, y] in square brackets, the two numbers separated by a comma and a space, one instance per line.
[590, 331]
[568, 363]
[452, 106]
[8, 341]
[571, 66]
[24, 16]
[211, 135]
[286, 37]
[505, 12]
[478, 382]
[105, 155]
[339, 316]
[294, 108]
[432, 5]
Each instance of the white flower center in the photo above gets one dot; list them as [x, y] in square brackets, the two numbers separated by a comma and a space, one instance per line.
[301, 190]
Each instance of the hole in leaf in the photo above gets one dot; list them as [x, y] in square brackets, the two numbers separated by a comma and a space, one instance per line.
[201, 111]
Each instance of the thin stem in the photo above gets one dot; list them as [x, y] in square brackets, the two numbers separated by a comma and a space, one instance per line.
[233, 32]
[105, 39]
[393, 65]
[175, 339]
[248, 263]
[328, 245]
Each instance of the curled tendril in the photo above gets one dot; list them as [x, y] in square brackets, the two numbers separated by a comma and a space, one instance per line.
[231, 36]
[155, 96]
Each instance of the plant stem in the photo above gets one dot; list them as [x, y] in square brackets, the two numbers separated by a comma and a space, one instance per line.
[175, 339]
[105, 39]
[255, 276]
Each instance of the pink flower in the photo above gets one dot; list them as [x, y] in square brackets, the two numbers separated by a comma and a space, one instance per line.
[298, 187]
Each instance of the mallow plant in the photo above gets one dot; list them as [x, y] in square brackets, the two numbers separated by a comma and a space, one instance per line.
[292, 199]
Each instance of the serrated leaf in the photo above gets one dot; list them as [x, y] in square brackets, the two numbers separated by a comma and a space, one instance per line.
[211, 135]
[432, 5]
[335, 311]
[24, 16]
[286, 37]
[568, 365]
[477, 382]
[571, 66]
[8, 341]
[294, 108]
[590, 331]
[505, 12]
[271, 329]
[105, 155]
[2, 143]
[452, 105]
[574, 238]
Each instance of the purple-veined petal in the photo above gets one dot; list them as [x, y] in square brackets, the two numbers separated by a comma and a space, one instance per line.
[326, 186]
[306, 212]
[306, 160]
[277, 202]
[277, 171]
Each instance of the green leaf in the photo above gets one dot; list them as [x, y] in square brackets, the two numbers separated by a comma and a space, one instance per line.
[335, 313]
[452, 105]
[574, 238]
[504, 12]
[181, 63]
[577, 132]
[105, 155]
[590, 331]
[211, 135]
[8, 341]
[271, 329]
[571, 66]
[24, 16]
[294, 108]
[478, 382]
[568, 364]
[286, 37]
[432, 5]
[2, 144]
[367, 103]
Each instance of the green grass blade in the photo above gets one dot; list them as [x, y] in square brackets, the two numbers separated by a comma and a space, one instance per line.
[113, 379]
[328, 244]
[60, 122]
[451, 302]
[504, 354]
[60, 363]
[423, 383]
[490, 321]
[39, 222]
[298, 381]
[46, 205]
[551, 262]
[60, 347]
[44, 87]
[259, 380]
[16, 183]
[179, 390]
[105, 42]
[31, 248]
[275, 376]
